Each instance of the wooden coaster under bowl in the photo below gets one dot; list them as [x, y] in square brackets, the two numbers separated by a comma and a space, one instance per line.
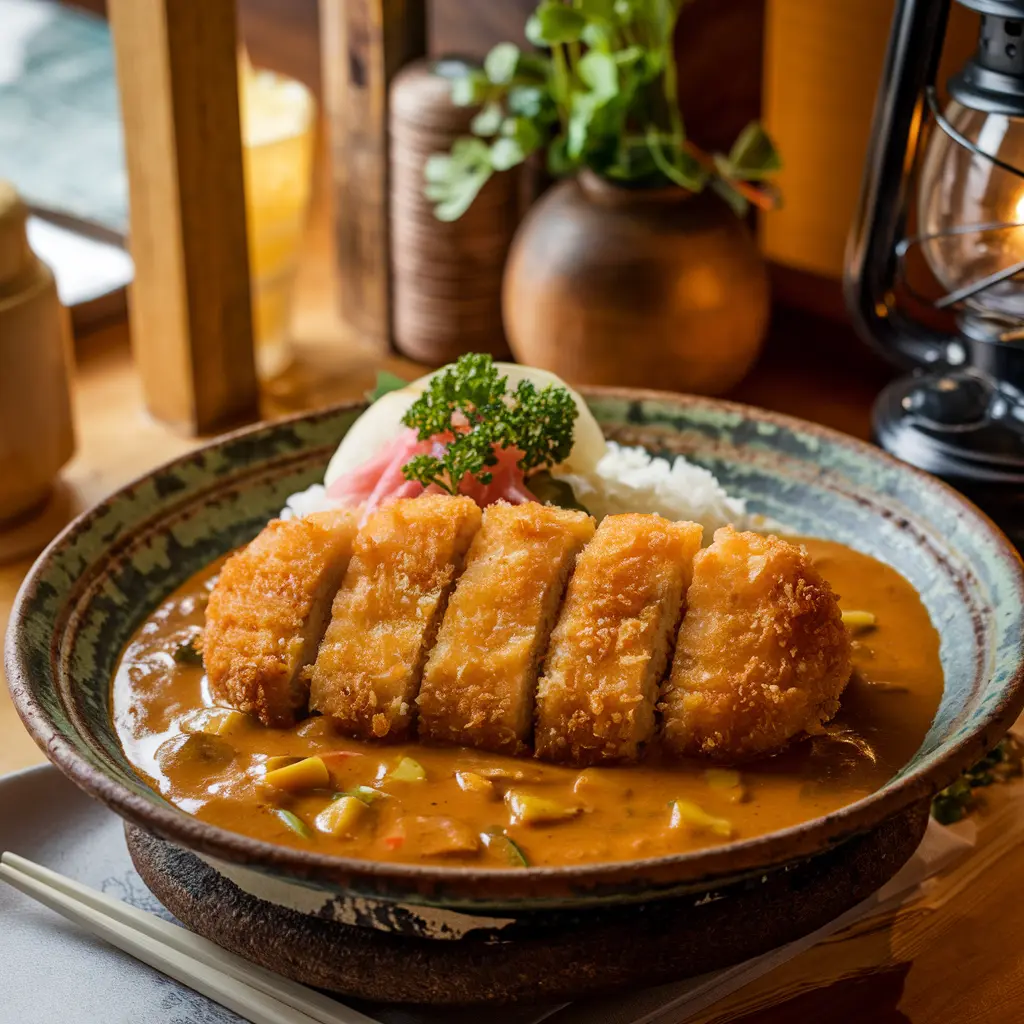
[545, 955]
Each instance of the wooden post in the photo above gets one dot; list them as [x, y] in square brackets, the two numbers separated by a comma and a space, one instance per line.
[365, 44]
[191, 321]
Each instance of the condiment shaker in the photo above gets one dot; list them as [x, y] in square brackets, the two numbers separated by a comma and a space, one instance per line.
[36, 432]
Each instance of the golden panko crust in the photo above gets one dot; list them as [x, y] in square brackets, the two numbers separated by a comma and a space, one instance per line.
[268, 610]
[479, 683]
[762, 655]
[405, 562]
[611, 646]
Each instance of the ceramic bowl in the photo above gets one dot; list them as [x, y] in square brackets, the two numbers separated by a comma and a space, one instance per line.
[559, 930]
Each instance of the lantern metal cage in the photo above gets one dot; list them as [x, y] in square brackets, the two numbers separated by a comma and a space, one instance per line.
[960, 414]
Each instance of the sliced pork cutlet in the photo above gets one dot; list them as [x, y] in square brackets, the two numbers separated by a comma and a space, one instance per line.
[480, 679]
[405, 562]
[268, 612]
[762, 654]
[613, 640]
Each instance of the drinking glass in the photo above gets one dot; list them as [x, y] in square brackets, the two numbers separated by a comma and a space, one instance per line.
[278, 126]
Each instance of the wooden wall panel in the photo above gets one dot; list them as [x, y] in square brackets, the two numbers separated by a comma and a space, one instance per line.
[720, 48]
[471, 27]
[824, 62]
[365, 44]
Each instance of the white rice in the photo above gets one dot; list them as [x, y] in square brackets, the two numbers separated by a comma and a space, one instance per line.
[625, 480]
[633, 480]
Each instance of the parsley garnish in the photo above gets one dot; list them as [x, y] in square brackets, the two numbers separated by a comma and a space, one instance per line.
[486, 417]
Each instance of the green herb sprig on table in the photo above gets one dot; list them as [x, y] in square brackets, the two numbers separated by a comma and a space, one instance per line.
[471, 401]
[602, 95]
[957, 801]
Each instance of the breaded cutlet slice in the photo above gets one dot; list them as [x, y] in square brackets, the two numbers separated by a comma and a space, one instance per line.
[405, 562]
[480, 679]
[762, 654]
[268, 611]
[611, 645]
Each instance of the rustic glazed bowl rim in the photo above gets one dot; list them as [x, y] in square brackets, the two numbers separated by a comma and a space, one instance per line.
[764, 851]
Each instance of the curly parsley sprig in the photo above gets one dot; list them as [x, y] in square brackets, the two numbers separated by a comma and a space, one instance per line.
[471, 401]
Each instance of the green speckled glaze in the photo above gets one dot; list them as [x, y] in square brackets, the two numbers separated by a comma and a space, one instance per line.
[96, 583]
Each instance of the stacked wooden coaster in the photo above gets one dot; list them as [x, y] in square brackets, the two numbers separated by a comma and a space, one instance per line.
[446, 277]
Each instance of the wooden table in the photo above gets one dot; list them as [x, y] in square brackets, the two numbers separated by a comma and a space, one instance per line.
[952, 956]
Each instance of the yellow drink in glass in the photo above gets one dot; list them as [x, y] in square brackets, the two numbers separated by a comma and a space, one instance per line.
[278, 122]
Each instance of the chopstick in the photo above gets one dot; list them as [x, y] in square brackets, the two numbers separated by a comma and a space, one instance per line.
[256, 994]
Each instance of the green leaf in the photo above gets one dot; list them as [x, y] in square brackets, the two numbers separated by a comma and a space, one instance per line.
[386, 383]
[526, 101]
[630, 57]
[597, 10]
[738, 203]
[461, 199]
[554, 23]
[467, 150]
[579, 125]
[506, 153]
[533, 31]
[524, 131]
[438, 167]
[437, 191]
[633, 162]
[501, 63]
[599, 32]
[678, 166]
[585, 100]
[753, 155]
[533, 69]
[597, 37]
[471, 89]
[488, 121]
[455, 180]
[601, 73]
[559, 162]
[692, 170]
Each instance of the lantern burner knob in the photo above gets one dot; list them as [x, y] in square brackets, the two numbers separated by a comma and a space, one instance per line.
[951, 401]
[1001, 45]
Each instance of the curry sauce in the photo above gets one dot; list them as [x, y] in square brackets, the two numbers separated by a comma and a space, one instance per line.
[417, 803]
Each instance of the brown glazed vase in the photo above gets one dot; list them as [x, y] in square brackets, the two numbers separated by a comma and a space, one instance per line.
[652, 287]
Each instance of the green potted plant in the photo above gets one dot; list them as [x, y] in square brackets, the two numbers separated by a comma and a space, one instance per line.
[637, 268]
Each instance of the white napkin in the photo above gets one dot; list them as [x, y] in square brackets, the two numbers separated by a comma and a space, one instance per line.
[84, 268]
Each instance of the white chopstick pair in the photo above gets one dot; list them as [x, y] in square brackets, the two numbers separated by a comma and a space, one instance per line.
[257, 995]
